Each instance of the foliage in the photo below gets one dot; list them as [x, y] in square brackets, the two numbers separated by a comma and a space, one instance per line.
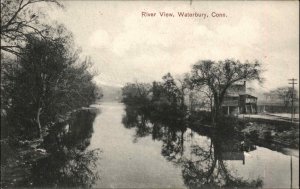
[136, 93]
[284, 94]
[46, 82]
[205, 88]
[219, 76]
[158, 98]
[46, 79]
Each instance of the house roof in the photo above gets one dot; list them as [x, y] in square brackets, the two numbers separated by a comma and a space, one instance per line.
[236, 90]
[248, 95]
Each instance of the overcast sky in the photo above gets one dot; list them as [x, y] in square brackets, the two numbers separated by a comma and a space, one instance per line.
[126, 46]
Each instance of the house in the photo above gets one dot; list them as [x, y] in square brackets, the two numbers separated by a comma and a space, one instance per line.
[237, 101]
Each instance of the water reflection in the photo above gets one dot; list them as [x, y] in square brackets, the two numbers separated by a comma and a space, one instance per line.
[204, 163]
[207, 166]
[69, 163]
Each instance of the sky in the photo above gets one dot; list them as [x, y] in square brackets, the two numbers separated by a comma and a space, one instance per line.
[127, 47]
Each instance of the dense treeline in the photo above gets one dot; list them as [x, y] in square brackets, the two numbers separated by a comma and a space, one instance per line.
[156, 99]
[198, 94]
[43, 80]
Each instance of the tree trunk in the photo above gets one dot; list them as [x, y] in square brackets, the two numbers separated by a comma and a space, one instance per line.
[217, 110]
[38, 122]
[212, 111]
[182, 143]
[182, 101]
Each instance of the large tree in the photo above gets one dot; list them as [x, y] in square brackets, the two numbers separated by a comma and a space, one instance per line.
[219, 76]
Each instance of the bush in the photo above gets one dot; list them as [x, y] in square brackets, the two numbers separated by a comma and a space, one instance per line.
[268, 136]
[254, 135]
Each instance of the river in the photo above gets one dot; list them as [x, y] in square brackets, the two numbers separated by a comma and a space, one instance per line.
[131, 159]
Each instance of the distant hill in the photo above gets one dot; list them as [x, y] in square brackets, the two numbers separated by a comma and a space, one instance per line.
[111, 93]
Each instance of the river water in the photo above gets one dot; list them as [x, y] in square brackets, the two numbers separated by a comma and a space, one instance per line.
[130, 158]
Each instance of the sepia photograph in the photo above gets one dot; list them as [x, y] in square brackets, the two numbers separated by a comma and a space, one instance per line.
[149, 94]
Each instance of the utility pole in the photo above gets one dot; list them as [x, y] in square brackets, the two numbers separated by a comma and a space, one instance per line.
[293, 89]
[291, 172]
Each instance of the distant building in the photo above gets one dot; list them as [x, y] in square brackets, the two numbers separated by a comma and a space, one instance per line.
[272, 103]
[237, 101]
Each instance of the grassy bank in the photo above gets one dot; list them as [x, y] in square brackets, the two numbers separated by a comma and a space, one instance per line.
[17, 159]
[271, 131]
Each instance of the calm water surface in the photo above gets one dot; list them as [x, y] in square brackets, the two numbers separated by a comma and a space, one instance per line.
[180, 159]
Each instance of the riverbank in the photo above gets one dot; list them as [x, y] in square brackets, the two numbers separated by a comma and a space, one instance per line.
[17, 160]
[270, 117]
[19, 157]
[265, 132]
[271, 132]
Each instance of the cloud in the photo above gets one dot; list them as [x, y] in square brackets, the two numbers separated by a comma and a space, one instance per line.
[126, 46]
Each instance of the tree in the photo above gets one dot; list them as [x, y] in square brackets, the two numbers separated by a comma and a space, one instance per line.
[136, 93]
[183, 84]
[50, 81]
[284, 94]
[42, 62]
[18, 21]
[171, 90]
[219, 76]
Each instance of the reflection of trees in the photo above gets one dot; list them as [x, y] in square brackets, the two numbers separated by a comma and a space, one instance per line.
[135, 119]
[173, 141]
[208, 168]
[149, 123]
[203, 165]
[69, 163]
